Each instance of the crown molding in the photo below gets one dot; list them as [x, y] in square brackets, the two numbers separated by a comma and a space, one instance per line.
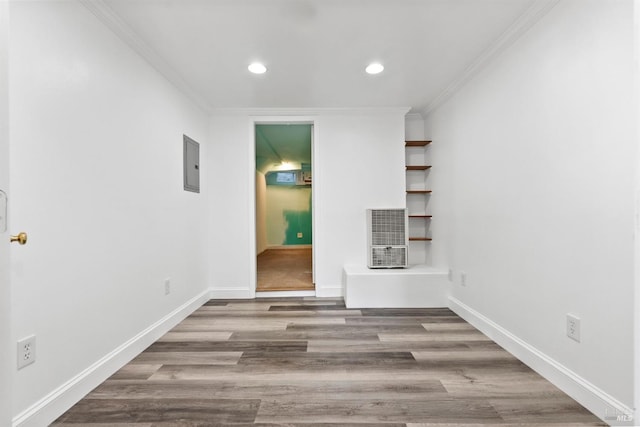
[308, 111]
[413, 116]
[118, 26]
[514, 32]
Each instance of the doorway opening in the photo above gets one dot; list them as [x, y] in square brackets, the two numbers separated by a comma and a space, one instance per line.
[284, 211]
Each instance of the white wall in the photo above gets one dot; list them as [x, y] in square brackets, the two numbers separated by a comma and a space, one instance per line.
[6, 344]
[358, 163]
[413, 127]
[96, 146]
[535, 182]
[231, 255]
[636, 5]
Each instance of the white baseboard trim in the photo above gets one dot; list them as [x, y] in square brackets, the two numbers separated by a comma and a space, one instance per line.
[231, 293]
[50, 407]
[286, 247]
[333, 292]
[603, 405]
[285, 294]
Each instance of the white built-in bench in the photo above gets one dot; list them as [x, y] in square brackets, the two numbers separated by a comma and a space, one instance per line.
[413, 287]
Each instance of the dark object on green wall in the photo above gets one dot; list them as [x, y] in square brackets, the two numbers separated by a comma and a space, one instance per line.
[289, 178]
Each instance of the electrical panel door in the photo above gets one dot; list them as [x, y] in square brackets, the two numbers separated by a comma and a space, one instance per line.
[191, 165]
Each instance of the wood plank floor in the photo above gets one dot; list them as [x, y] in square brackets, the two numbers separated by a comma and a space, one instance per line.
[285, 270]
[313, 362]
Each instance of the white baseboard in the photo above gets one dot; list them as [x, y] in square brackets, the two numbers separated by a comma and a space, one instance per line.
[329, 292]
[285, 294]
[244, 293]
[286, 247]
[231, 293]
[603, 405]
[50, 407]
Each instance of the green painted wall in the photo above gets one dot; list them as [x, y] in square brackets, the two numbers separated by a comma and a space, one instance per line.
[289, 213]
[298, 222]
[288, 205]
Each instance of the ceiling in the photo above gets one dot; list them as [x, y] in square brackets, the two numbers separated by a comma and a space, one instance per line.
[316, 50]
[277, 143]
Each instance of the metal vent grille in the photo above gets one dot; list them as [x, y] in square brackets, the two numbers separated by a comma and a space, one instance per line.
[387, 238]
[388, 227]
[389, 256]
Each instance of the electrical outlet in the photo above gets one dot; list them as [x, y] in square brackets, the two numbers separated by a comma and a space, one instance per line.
[450, 275]
[463, 279]
[299, 235]
[167, 286]
[26, 351]
[573, 327]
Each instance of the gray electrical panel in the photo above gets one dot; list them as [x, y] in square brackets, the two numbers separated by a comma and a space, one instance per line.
[191, 165]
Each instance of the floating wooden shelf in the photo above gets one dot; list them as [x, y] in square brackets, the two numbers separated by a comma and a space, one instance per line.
[416, 143]
[423, 217]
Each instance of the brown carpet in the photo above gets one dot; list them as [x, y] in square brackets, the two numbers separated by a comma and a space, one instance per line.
[285, 270]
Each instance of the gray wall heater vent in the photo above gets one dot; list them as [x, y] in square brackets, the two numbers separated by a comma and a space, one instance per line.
[387, 240]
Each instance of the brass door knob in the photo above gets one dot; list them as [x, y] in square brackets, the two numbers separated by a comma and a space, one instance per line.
[20, 238]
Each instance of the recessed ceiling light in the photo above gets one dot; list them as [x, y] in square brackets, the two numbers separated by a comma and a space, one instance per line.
[374, 68]
[257, 68]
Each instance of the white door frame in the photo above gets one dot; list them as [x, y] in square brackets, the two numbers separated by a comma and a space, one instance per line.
[274, 120]
[6, 355]
[636, 95]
